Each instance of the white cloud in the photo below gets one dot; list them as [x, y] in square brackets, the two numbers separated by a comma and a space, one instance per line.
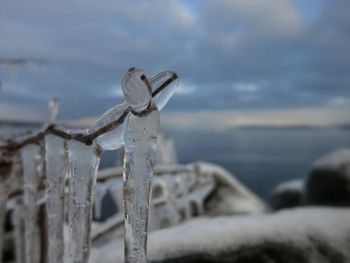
[246, 87]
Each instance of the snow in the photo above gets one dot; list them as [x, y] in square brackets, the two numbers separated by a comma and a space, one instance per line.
[223, 237]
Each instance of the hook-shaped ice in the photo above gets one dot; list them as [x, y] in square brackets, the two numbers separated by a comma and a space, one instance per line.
[139, 91]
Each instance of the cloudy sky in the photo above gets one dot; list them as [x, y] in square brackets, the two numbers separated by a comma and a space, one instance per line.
[258, 61]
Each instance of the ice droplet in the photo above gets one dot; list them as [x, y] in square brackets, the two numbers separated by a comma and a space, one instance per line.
[140, 147]
[56, 157]
[163, 95]
[83, 165]
[31, 163]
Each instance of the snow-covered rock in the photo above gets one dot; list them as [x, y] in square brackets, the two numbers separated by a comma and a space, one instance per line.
[230, 195]
[329, 180]
[313, 235]
[287, 195]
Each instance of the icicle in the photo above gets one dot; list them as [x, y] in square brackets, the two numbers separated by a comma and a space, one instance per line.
[19, 232]
[83, 165]
[31, 158]
[5, 179]
[53, 114]
[56, 158]
[140, 147]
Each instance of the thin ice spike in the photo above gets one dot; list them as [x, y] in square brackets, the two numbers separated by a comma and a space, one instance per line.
[140, 147]
[31, 158]
[83, 165]
[56, 158]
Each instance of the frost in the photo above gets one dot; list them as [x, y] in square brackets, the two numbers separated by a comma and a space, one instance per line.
[56, 171]
[83, 165]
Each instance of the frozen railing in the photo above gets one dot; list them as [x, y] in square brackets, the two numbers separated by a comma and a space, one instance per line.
[35, 169]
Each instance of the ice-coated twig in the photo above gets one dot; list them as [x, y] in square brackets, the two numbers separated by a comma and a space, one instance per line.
[164, 81]
[84, 149]
[53, 111]
[56, 157]
[31, 158]
[83, 165]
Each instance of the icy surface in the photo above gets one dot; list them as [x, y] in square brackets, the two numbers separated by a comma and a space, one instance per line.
[113, 139]
[162, 98]
[56, 171]
[140, 147]
[83, 164]
[137, 89]
[32, 170]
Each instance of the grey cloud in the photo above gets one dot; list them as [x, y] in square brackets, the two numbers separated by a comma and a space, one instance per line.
[89, 45]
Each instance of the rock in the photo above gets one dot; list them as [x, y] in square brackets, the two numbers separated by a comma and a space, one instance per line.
[312, 235]
[287, 195]
[329, 180]
[230, 195]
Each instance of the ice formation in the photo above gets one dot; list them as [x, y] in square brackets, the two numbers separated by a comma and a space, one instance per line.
[32, 169]
[56, 171]
[83, 165]
[5, 181]
[74, 157]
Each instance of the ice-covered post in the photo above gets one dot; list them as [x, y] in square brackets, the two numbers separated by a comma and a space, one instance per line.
[140, 140]
[134, 124]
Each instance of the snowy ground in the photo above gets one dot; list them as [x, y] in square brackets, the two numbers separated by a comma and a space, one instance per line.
[297, 235]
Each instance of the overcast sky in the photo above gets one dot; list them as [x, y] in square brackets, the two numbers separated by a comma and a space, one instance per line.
[232, 56]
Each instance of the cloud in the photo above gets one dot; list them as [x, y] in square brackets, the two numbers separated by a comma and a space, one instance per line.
[229, 54]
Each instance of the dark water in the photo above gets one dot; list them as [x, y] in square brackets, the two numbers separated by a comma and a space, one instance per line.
[260, 158]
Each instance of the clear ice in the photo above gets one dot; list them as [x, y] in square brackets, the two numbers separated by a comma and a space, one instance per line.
[31, 157]
[53, 111]
[5, 184]
[75, 157]
[140, 141]
[140, 147]
[113, 138]
[83, 165]
[164, 93]
[56, 158]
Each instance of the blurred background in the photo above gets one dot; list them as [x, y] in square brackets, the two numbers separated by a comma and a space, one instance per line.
[264, 85]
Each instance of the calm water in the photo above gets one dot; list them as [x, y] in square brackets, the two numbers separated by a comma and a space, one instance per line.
[260, 158]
